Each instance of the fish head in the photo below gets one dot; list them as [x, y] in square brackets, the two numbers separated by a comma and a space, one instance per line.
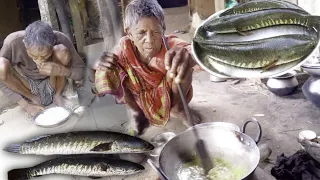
[137, 145]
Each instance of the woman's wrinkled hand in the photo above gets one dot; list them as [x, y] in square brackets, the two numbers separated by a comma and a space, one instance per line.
[178, 61]
[106, 62]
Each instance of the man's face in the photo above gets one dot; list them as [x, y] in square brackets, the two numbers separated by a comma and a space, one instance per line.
[39, 54]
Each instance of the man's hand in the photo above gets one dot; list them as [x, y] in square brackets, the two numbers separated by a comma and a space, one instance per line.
[53, 69]
[177, 61]
[33, 109]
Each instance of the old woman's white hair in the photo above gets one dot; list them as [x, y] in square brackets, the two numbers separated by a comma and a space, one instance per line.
[138, 9]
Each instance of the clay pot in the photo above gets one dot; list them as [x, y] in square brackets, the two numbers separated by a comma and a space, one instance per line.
[283, 85]
[311, 88]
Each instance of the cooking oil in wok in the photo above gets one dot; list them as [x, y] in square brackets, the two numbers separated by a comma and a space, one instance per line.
[222, 170]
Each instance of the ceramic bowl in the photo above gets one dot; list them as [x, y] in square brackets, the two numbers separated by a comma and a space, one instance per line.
[312, 69]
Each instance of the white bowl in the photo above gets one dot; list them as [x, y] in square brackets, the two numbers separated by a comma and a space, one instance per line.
[52, 117]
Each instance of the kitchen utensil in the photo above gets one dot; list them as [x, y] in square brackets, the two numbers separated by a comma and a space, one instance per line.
[283, 85]
[52, 117]
[230, 145]
[219, 124]
[159, 141]
[200, 145]
[311, 88]
[156, 169]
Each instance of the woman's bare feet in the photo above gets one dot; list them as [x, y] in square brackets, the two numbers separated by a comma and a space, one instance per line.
[195, 115]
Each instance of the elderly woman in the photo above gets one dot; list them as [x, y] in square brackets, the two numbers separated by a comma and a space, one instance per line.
[142, 74]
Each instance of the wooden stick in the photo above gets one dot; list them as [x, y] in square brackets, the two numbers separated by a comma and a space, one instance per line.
[77, 25]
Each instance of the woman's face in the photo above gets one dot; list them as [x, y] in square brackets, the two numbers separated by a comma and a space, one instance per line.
[147, 36]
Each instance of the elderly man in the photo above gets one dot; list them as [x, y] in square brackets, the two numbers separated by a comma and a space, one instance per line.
[34, 65]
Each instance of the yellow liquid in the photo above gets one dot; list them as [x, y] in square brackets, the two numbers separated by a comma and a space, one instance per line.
[222, 170]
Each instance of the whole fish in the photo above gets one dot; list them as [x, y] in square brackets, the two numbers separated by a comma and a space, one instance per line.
[82, 142]
[93, 167]
[262, 53]
[260, 19]
[254, 34]
[258, 5]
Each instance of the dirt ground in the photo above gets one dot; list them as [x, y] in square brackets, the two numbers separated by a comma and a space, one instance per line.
[281, 118]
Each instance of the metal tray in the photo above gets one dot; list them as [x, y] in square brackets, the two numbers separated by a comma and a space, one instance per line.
[226, 71]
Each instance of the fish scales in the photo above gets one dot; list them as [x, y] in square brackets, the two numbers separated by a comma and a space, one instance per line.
[82, 142]
[92, 166]
[258, 5]
[270, 17]
[260, 53]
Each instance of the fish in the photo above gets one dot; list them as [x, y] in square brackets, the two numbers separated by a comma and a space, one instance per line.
[81, 142]
[263, 53]
[256, 20]
[91, 166]
[255, 34]
[228, 71]
[258, 5]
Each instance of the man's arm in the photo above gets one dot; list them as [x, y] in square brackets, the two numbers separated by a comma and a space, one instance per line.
[76, 69]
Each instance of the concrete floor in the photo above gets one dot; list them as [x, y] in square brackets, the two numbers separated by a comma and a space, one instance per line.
[283, 117]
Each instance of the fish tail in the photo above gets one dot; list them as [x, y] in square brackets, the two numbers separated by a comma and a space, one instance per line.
[13, 148]
[18, 174]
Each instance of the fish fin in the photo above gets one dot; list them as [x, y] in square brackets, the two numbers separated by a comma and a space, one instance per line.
[270, 65]
[13, 148]
[36, 138]
[104, 166]
[94, 177]
[102, 147]
[18, 174]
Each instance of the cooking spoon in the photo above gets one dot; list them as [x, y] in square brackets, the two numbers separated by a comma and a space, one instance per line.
[202, 152]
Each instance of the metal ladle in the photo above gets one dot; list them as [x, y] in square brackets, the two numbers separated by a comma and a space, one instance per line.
[205, 159]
